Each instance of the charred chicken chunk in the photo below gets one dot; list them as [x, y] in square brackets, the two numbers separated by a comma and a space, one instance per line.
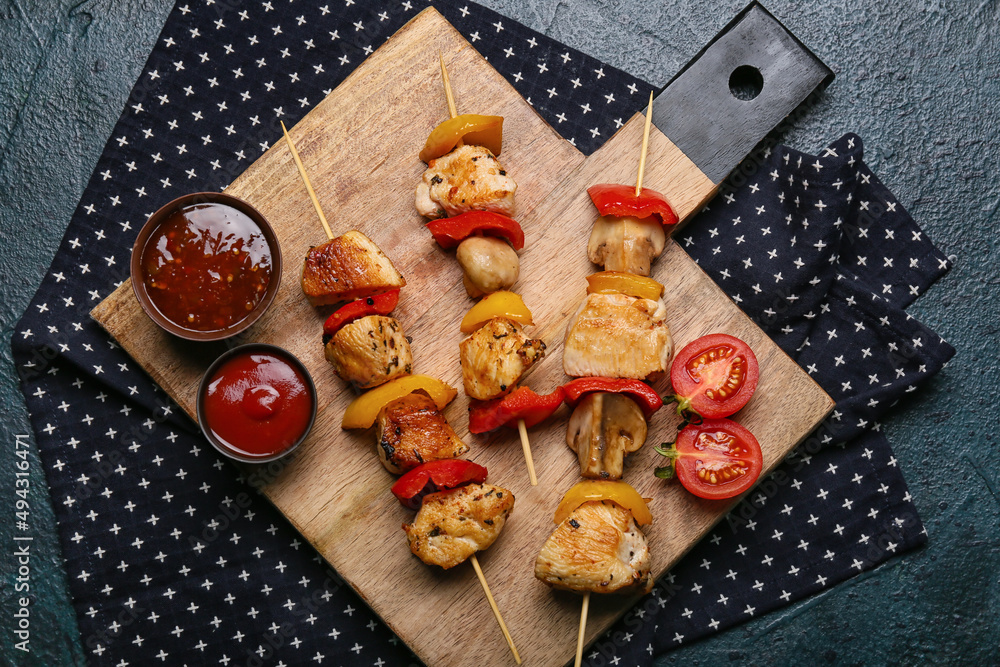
[495, 357]
[467, 179]
[626, 244]
[617, 335]
[370, 351]
[345, 268]
[598, 548]
[489, 264]
[452, 525]
[411, 430]
[603, 428]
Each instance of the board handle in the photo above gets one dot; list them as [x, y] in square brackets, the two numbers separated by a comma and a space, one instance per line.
[750, 77]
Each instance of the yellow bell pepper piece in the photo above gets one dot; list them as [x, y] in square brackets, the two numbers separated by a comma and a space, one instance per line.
[470, 128]
[498, 304]
[624, 283]
[363, 410]
[618, 492]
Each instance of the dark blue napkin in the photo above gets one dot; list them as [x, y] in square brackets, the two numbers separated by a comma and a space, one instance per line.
[173, 557]
[824, 259]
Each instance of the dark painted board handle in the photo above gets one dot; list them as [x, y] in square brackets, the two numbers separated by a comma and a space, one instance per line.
[751, 76]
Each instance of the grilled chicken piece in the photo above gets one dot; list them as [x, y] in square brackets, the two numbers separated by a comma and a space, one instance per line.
[370, 351]
[626, 244]
[495, 357]
[452, 525]
[347, 268]
[411, 430]
[598, 548]
[489, 263]
[616, 335]
[467, 179]
[603, 428]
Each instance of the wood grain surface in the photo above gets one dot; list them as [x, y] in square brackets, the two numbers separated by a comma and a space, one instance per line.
[360, 146]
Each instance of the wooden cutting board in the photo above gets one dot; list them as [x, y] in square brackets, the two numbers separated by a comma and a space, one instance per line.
[360, 146]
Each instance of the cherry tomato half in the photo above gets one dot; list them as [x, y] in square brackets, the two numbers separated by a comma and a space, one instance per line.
[715, 459]
[714, 376]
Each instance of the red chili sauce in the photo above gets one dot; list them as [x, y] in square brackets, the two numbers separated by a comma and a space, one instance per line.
[258, 404]
[206, 267]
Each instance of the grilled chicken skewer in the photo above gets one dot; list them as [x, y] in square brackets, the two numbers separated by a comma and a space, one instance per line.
[364, 351]
[458, 514]
[625, 313]
[629, 234]
[618, 332]
[493, 359]
[489, 265]
[345, 267]
[597, 546]
[633, 322]
[470, 178]
[453, 524]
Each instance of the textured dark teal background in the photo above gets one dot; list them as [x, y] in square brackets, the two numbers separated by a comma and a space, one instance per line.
[919, 80]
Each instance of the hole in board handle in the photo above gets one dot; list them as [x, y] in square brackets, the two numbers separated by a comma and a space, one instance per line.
[746, 82]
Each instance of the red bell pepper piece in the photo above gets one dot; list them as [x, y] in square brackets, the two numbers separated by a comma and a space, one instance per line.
[449, 232]
[637, 390]
[522, 403]
[436, 476]
[620, 200]
[380, 304]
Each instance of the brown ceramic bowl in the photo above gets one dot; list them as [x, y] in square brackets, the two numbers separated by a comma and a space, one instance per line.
[158, 306]
[262, 406]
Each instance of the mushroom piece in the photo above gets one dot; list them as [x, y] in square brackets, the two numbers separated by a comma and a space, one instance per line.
[603, 428]
[626, 244]
[489, 263]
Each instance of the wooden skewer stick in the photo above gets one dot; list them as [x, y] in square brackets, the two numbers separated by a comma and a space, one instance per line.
[493, 606]
[585, 607]
[305, 179]
[645, 145]
[583, 629]
[522, 430]
[452, 109]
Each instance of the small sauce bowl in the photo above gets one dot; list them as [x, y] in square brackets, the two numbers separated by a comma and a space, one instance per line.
[256, 403]
[205, 266]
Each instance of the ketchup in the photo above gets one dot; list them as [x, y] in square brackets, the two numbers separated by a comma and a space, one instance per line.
[258, 404]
